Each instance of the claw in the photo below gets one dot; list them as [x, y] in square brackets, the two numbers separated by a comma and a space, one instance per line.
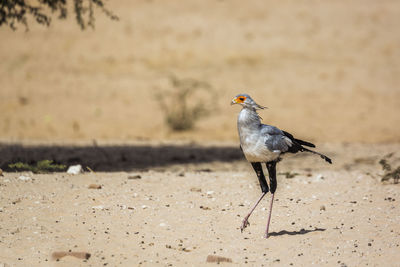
[245, 223]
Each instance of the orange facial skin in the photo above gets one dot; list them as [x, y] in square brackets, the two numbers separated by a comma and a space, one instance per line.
[240, 99]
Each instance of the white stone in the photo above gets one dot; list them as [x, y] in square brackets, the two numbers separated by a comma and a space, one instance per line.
[24, 178]
[75, 169]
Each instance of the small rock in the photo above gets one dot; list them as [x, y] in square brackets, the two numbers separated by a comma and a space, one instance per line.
[322, 207]
[94, 186]
[195, 189]
[99, 207]
[217, 259]
[134, 177]
[1, 172]
[204, 208]
[16, 201]
[80, 255]
[163, 224]
[210, 192]
[75, 169]
[24, 178]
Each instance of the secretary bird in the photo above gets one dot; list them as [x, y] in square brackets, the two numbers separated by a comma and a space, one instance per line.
[262, 143]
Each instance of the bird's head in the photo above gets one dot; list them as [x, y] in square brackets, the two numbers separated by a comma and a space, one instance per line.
[246, 101]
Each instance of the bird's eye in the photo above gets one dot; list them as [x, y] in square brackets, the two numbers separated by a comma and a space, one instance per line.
[241, 98]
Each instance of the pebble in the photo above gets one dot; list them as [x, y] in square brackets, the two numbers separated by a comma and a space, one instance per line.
[195, 189]
[217, 259]
[94, 186]
[322, 207]
[60, 254]
[75, 169]
[24, 178]
[16, 201]
[134, 177]
[99, 207]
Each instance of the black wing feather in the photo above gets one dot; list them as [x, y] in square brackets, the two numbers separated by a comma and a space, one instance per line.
[298, 146]
[298, 141]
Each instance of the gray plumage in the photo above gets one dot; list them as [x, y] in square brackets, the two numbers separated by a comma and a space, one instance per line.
[262, 143]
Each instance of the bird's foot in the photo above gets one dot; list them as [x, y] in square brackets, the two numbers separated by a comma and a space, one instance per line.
[245, 223]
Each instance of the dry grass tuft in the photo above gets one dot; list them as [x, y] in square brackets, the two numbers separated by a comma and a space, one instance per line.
[185, 104]
[389, 173]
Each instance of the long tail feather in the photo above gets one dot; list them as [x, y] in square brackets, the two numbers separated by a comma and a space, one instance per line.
[321, 155]
[304, 143]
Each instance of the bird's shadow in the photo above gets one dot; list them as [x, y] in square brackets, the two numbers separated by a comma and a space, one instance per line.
[301, 232]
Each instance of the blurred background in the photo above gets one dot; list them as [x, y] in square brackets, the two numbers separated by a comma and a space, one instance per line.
[329, 71]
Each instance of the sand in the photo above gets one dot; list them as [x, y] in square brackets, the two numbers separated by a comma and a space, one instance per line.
[180, 214]
[329, 72]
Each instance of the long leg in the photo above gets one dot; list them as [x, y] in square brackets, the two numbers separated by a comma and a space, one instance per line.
[271, 166]
[245, 222]
[264, 188]
[261, 178]
[269, 216]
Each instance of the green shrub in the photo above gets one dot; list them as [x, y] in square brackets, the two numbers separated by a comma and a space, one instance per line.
[42, 166]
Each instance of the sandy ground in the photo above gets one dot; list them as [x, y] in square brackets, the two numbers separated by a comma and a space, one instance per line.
[329, 71]
[179, 214]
